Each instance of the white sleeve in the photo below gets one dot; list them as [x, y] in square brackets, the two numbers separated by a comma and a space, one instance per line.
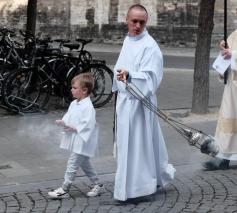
[67, 114]
[234, 60]
[150, 73]
[86, 125]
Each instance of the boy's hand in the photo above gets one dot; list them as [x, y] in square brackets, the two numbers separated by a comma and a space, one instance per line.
[66, 128]
[69, 129]
[60, 122]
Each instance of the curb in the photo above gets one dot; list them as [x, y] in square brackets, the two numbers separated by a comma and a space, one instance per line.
[172, 51]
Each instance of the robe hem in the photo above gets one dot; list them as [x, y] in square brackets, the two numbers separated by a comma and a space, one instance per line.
[142, 192]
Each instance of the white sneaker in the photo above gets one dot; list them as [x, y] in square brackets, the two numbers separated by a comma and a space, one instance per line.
[58, 193]
[96, 190]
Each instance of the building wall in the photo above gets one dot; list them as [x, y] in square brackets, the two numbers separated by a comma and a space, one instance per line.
[171, 22]
[219, 19]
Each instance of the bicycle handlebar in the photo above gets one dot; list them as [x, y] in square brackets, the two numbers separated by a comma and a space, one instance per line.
[6, 31]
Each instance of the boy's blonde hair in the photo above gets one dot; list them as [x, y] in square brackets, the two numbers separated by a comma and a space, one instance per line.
[85, 80]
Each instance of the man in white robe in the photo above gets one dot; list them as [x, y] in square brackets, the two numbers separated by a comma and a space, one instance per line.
[142, 159]
[226, 131]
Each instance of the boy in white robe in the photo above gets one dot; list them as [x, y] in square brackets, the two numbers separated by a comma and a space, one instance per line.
[142, 159]
[80, 136]
[226, 130]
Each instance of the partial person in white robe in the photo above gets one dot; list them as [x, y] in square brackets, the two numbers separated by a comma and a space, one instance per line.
[142, 158]
[226, 131]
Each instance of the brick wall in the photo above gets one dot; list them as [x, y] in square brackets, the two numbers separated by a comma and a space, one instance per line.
[171, 22]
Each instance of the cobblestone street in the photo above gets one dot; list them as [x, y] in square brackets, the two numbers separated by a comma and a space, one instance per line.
[192, 190]
[201, 192]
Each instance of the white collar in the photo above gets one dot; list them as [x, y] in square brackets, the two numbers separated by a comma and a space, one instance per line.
[84, 100]
[138, 37]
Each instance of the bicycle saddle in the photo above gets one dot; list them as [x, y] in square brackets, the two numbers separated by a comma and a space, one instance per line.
[62, 40]
[84, 41]
[72, 46]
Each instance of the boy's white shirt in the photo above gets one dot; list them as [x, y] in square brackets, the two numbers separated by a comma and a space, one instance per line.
[81, 115]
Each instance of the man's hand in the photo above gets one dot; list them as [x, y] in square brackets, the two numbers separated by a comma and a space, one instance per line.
[225, 50]
[122, 75]
[222, 45]
[226, 53]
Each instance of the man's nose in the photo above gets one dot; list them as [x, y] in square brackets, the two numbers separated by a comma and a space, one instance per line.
[138, 25]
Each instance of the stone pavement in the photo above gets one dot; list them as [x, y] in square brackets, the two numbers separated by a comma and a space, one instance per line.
[199, 192]
[31, 162]
[34, 169]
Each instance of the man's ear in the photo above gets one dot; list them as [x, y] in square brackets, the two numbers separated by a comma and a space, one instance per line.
[126, 20]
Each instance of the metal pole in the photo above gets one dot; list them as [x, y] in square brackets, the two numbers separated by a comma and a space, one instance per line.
[225, 37]
[69, 20]
[115, 119]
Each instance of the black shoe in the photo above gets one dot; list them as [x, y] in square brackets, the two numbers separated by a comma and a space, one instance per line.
[225, 164]
[216, 164]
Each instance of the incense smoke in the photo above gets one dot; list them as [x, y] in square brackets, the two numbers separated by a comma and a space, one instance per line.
[42, 131]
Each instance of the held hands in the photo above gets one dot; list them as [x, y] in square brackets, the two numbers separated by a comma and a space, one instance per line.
[69, 129]
[225, 51]
[60, 122]
[66, 127]
[122, 75]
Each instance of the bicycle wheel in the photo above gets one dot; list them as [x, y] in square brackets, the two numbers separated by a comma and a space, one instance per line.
[60, 66]
[97, 92]
[56, 69]
[103, 79]
[5, 69]
[26, 90]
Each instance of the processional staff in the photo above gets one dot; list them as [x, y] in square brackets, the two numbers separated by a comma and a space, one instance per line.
[225, 37]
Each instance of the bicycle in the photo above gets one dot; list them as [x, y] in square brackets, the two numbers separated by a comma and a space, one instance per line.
[103, 76]
[29, 89]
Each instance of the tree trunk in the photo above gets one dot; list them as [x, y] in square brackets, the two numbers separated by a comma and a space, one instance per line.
[31, 16]
[201, 67]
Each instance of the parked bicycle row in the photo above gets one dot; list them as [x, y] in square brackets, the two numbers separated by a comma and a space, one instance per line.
[34, 70]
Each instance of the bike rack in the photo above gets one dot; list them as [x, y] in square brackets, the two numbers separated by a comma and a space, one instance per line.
[11, 97]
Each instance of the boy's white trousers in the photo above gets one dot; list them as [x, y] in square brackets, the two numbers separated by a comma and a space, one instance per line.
[74, 162]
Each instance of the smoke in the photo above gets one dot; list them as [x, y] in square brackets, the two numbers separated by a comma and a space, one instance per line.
[45, 130]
